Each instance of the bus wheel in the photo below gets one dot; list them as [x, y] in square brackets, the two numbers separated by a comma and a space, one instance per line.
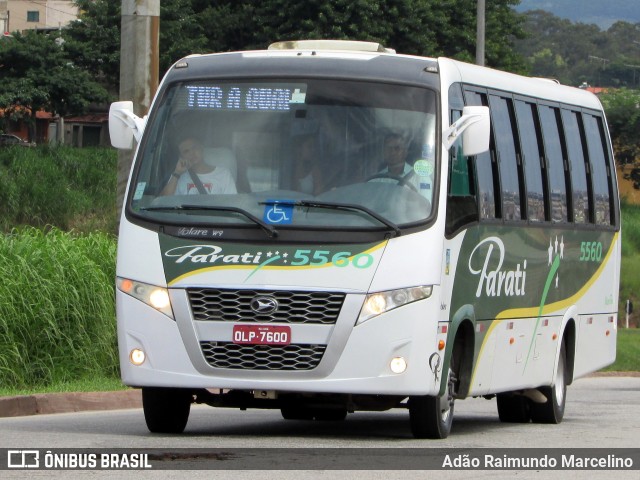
[432, 416]
[513, 408]
[552, 411]
[166, 410]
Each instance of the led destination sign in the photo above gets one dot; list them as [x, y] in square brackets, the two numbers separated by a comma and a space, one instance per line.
[243, 97]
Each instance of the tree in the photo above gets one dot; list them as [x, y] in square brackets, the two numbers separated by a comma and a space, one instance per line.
[37, 75]
[94, 39]
[577, 52]
[418, 27]
[622, 107]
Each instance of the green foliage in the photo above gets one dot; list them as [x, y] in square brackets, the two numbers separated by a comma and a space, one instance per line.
[57, 313]
[577, 53]
[587, 11]
[92, 383]
[417, 27]
[622, 107]
[37, 75]
[629, 278]
[57, 319]
[62, 187]
[93, 41]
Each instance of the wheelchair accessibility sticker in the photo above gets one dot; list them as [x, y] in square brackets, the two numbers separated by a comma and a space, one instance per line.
[278, 212]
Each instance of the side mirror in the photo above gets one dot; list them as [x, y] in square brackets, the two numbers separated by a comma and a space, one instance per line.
[474, 126]
[124, 125]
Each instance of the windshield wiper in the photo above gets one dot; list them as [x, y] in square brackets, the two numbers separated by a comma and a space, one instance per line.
[269, 229]
[339, 206]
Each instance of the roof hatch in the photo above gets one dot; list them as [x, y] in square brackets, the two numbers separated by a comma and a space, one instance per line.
[342, 45]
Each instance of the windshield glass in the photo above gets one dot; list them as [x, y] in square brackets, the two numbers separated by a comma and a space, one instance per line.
[292, 154]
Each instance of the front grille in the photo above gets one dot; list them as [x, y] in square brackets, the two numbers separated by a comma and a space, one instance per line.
[262, 357]
[209, 304]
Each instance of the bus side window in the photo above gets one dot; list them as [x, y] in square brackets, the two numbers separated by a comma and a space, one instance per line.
[508, 156]
[533, 166]
[488, 189]
[461, 201]
[574, 137]
[555, 162]
[600, 169]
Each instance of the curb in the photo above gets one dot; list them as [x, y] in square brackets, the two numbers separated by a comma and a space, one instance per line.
[47, 403]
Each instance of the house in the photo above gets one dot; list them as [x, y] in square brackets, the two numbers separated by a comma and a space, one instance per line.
[90, 130]
[21, 15]
[42, 132]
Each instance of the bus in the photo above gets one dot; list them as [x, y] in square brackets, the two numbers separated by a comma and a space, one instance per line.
[327, 227]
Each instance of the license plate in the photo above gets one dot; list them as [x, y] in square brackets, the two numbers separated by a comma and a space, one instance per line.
[261, 334]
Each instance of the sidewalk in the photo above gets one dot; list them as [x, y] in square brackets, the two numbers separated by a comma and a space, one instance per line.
[45, 403]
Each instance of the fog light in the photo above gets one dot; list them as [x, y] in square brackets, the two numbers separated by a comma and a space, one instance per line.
[398, 365]
[137, 356]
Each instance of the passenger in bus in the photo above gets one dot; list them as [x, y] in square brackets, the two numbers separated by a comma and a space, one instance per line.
[418, 177]
[192, 175]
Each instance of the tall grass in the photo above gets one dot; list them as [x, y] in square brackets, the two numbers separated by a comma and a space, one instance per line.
[629, 277]
[68, 188]
[57, 320]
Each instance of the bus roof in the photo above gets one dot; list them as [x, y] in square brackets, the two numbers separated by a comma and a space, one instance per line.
[371, 61]
[541, 88]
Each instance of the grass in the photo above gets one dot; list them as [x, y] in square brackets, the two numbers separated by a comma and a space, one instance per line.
[57, 317]
[629, 278]
[91, 384]
[628, 351]
[68, 188]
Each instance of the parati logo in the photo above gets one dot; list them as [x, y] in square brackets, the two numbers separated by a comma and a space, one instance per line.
[495, 282]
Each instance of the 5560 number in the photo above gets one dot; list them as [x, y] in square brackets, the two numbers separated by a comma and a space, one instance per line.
[590, 251]
[339, 259]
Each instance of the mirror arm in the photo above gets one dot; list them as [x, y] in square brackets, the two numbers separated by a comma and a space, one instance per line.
[132, 121]
[450, 135]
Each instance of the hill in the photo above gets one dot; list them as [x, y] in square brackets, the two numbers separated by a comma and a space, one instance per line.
[603, 14]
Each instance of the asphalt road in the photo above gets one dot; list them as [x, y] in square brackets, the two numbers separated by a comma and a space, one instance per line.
[601, 412]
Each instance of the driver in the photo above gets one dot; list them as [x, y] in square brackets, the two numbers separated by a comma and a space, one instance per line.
[397, 168]
[192, 175]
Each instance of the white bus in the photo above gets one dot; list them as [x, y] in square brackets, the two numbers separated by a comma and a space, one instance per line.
[328, 227]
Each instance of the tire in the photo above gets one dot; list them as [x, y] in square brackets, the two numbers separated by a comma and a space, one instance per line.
[552, 411]
[513, 408]
[432, 416]
[166, 410]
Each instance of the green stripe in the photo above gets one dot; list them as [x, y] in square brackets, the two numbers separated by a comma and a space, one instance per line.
[547, 285]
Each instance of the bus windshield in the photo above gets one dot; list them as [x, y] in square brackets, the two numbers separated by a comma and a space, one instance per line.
[304, 153]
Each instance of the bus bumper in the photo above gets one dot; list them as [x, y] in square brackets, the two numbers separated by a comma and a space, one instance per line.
[357, 359]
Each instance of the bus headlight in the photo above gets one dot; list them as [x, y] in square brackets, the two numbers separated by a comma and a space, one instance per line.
[156, 297]
[381, 302]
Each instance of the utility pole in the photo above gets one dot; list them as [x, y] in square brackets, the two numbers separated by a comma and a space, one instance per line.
[139, 60]
[480, 33]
